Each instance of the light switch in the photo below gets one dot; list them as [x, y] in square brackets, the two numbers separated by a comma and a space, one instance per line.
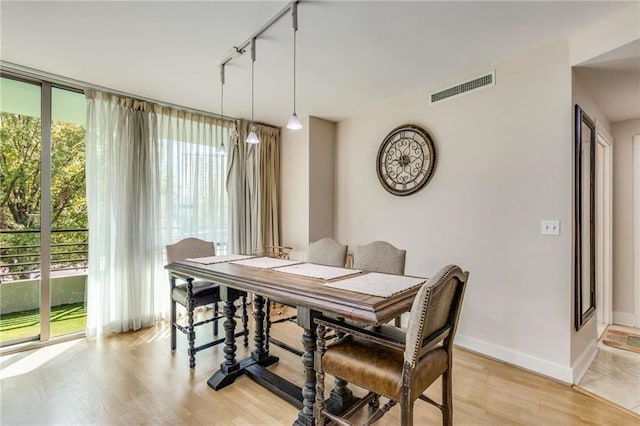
[550, 227]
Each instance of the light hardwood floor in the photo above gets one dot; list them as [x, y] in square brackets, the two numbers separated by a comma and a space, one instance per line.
[134, 379]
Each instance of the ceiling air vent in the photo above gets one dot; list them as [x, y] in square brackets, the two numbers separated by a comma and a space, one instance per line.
[486, 80]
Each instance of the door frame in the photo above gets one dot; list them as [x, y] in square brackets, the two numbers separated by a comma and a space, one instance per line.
[604, 226]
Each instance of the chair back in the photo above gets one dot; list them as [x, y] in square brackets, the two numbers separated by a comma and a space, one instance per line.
[327, 251]
[379, 256]
[435, 312]
[189, 248]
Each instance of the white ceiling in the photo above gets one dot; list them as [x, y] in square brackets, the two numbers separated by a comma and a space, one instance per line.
[352, 56]
[613, 79]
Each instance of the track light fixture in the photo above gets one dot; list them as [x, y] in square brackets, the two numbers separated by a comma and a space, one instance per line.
[252, 138]
[294, 122]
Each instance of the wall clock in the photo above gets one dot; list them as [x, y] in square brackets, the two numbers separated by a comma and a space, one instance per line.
[406, 160]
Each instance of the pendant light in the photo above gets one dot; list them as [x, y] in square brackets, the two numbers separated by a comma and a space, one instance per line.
[294, 122]
[252, 138]
[222, 149]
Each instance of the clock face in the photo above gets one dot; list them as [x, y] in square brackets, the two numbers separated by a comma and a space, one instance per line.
[406, 160]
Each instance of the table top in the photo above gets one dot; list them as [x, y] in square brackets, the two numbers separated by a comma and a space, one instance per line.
[300, 291]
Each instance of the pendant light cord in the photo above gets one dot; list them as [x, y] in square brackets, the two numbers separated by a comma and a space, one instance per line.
[294, 23]
[222, 103]
[294, 70]
[253, 61]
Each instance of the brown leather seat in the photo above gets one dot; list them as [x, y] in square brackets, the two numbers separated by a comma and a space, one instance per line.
[360, 357]
[389, 362]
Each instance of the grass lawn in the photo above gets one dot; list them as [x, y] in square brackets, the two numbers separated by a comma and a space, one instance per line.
[65, 319]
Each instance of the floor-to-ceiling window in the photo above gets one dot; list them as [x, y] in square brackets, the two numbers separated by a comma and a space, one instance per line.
[43, 217]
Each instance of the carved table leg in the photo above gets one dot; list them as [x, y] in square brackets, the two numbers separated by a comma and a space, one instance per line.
[245, 320]
[319, 406]
[191, 334]
[267, 325]
[230, 368]
[259, 353]
[305, 320]
[230, 364]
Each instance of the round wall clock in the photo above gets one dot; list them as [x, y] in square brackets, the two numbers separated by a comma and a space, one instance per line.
[406, 160]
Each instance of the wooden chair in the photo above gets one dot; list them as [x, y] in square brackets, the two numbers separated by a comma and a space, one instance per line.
[380, 256]
[193, 294]
[396, 364]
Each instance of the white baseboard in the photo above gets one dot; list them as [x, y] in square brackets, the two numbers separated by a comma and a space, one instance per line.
[623, 318]
[528, 362]
[584, 361]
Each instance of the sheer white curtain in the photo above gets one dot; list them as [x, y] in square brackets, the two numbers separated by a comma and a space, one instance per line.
[154, 176]
[193, 165]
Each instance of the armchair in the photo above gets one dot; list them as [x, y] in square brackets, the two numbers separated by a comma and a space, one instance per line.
[392, 363]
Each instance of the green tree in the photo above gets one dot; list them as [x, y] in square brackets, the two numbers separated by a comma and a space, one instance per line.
[20, 191]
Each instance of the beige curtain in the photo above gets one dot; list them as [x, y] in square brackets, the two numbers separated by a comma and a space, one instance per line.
[253, 188]
[270, 185]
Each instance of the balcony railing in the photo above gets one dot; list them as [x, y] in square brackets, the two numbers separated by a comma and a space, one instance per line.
[69, 252]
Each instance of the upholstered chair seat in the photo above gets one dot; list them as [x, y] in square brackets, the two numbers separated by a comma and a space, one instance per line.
[357, 358]
[396, 364]
[203, 293]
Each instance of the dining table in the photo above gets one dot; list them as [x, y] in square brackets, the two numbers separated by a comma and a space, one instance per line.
[361, 297]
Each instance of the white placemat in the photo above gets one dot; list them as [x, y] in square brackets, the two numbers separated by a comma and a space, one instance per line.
[265, 262]
[377, 284]
[322, 272]
[210, 260]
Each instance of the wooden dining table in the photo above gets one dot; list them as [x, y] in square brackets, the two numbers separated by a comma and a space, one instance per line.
[312, 299]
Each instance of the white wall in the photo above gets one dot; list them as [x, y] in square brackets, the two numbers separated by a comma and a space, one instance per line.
[321, 178]
[295, 188]
[504, 164]
[582, 97]
[307, 167]
[623, 294]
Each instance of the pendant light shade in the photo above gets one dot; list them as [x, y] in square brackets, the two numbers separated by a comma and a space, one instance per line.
[294, 122]
[252, 137]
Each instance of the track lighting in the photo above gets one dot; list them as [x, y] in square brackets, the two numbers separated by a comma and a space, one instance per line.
[294, 122]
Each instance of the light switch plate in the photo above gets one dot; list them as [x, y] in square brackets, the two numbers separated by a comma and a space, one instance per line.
[550, 227]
